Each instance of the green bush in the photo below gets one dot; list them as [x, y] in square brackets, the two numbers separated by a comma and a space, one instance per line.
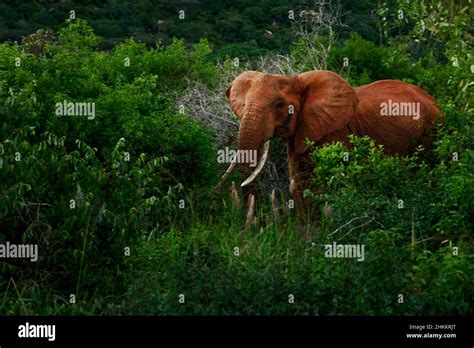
[84, 189]
[405, 193]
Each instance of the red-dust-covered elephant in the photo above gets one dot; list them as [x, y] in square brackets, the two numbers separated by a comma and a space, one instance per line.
[323, 107]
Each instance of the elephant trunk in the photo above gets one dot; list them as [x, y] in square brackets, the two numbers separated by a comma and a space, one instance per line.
[251, 138]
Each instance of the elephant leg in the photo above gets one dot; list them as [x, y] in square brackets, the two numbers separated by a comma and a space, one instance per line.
[300, 169]
[306, 167]
[296, 191]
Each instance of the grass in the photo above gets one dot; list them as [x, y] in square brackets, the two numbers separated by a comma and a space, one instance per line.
[271, 263]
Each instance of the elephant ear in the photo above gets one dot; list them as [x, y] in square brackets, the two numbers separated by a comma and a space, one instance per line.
[328, 104]
[239, 88]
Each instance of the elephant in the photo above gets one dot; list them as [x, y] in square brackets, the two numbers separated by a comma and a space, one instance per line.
[322, 107]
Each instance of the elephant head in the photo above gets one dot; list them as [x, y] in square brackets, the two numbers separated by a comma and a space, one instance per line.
[306, 106]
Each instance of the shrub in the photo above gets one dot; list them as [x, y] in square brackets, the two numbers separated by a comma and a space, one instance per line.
[84, 189]
[404, 193]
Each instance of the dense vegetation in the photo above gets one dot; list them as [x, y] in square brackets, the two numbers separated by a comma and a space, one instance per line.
[122, 204]
[235, 28]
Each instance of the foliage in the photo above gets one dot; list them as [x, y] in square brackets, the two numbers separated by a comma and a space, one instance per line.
[411, 196]
[85, 188]
[235, 28]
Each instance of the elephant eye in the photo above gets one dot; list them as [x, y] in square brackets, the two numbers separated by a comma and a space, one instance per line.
[280, 105]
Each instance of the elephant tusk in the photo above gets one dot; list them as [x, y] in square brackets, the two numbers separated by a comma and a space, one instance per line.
[261, 164]
[229, 170]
